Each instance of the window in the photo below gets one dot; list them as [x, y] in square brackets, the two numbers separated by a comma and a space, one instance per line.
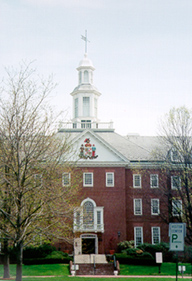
[88, 214]
[155, 235]
[154, 181]
[155, 206]
[66, 179]
[86, 106]
[76, 107]
[88, 179]
[138, 236]
[86, 76]
[109, 179]
[137, 207]
[88, 217]
[175, 182]
[137, 181]
[175, 155]
[85, 124]
[176, 207]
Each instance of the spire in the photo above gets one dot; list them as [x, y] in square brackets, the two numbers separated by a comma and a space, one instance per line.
[86, 40]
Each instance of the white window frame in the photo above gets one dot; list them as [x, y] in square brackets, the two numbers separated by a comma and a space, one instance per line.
[138, 208]
[153, 237]
[152, 205]
[109, 179]
[98, 221]
[179, 213]
[134, 180]
[140, 228]
[172, 182]
[151, 180]
[63, 179]
[84, 179]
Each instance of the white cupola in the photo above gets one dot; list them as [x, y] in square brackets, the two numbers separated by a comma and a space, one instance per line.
[85, 97]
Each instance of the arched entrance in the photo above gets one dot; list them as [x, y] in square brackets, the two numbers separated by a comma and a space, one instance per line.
[89, 243]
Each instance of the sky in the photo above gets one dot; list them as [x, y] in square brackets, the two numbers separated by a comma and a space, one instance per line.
[141, 50]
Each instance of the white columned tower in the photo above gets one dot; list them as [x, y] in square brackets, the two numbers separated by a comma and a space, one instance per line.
[85, 97]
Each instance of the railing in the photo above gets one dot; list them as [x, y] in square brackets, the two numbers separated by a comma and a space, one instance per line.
[85, 125]
[89, 227]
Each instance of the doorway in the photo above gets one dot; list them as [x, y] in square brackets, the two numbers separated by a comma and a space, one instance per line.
[89, 244]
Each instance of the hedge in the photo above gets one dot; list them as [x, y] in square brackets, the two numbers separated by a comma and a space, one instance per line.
[142, 259]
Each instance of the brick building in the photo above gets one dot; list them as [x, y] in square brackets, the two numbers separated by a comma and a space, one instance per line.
[121, 178]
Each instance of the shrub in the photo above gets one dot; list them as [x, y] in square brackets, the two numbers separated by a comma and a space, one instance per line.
[38, 252]
[125, 245]
[139, 259]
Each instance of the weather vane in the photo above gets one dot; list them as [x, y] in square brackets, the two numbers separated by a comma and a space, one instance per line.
[85, 39]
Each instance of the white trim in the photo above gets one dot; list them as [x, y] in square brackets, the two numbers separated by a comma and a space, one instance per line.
[106, 177]
[89, 184]
[69, 178]
[179, 213]
[172, 182]
[135, 237]
[134, 176]
[140, 206]
[155, 214]
[152, 234]
[151, 180]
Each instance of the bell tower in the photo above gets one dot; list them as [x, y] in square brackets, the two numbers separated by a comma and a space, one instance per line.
[85, 95]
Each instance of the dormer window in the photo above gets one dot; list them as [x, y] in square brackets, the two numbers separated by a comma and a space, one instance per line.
[175, 155]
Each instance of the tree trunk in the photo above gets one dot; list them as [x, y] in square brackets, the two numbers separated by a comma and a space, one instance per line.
[6, 273]
[19, 261]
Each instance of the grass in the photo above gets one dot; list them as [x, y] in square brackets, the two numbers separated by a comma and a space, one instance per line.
[61, 272]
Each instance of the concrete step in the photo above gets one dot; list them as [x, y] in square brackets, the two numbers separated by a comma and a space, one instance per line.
[90, 259]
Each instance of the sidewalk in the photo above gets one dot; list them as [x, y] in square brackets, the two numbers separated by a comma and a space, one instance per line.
[133, 276]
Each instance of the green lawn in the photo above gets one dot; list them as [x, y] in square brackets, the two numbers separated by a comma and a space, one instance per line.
[61, 271]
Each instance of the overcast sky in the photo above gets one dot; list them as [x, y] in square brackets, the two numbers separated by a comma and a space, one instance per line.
[141, 49]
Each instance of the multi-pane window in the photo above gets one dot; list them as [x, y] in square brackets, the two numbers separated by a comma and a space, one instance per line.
[88, 214]
[156, 235]
[155, 206]
[109, 179]
[86, 106]
[138, 236]
[66, 178]
[175, 182]
[137, 206]
[154, 181]
[88, 217]
[137, 181]
[87, 179]
[176, 207]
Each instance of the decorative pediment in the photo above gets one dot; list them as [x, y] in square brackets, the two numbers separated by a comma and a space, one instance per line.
[92, 147]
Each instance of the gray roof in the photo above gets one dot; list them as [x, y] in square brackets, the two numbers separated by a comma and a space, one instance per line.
[134, 148]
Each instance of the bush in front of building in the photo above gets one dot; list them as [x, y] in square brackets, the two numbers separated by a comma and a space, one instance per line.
[145, 251]
[141, 258]
[125, 245]
[53, 258]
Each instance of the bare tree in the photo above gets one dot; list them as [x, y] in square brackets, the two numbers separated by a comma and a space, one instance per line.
[32, 160]
[176, 138]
